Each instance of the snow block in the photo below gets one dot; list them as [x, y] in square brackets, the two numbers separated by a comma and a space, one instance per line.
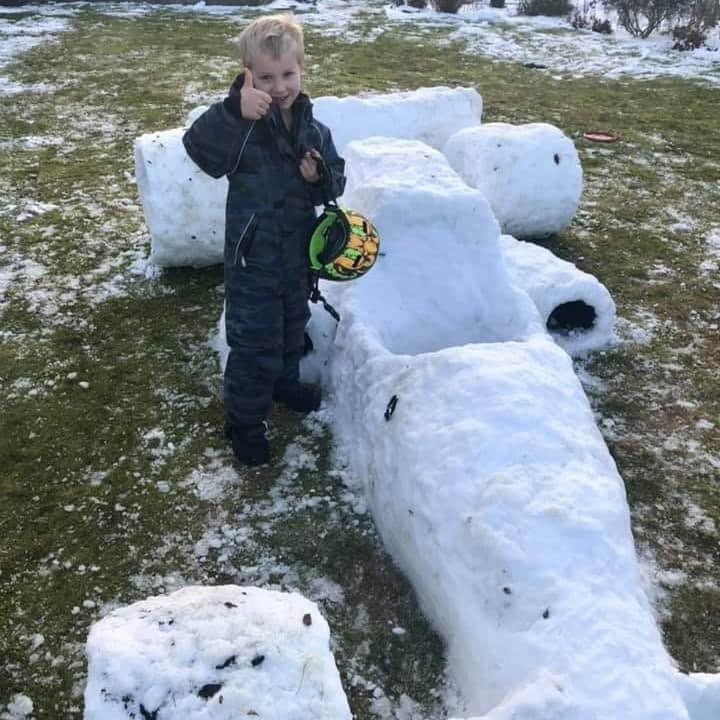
[431, 115]
[441, 255]
[486, 475]
[530, 174]
[702, 694]
[184, 208]
[214, 652]
[576, 307]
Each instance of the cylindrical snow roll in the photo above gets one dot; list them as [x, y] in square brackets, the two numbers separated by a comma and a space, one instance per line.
[184, 208]
[431, 115]
[214, 652]
[530, 174]
[576, 307]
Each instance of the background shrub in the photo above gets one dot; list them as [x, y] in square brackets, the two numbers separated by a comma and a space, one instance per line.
[642, 17]
[701, 15]
[688, 37]
[601, 26]
[497, 3]
[552, 8]
[448, 6]
[417, 3]
[693, 23]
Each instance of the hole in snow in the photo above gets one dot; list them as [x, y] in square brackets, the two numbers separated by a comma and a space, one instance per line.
[570, 317]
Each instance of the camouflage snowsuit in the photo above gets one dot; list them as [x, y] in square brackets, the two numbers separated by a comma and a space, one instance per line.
[269, 213]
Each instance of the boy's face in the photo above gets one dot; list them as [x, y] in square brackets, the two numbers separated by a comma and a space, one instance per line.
[278, 77]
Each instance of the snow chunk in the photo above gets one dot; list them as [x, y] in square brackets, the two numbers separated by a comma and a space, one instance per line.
[20, 707]
[184, 208]
[214, 652]
[33, 208]
[530, 174]
[431, 115]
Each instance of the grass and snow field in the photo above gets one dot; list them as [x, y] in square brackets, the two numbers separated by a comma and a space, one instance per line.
[116, 482]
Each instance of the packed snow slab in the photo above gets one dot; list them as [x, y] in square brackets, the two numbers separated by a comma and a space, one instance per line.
[576, 307]
[530, 174]
[441, 280]
[431, 115]
[184, 208]
[214, 652]
[702, 695]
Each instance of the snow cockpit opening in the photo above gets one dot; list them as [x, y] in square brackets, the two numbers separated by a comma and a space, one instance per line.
[571, 317]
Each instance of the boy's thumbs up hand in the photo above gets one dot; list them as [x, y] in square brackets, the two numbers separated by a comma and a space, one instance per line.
[254, 103]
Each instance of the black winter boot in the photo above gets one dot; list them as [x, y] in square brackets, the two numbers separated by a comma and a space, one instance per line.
[249, 444]
[300, 397]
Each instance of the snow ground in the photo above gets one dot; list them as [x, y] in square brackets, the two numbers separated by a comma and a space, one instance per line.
[497, 33]
[17, 37]
[579, 53]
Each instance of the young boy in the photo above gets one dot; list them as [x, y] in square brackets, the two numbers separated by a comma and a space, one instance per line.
[280, 163]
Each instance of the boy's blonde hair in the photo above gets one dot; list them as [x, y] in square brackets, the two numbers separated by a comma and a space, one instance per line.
[272, 35]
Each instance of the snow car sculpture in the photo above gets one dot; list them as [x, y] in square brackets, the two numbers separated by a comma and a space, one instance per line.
[486, 475]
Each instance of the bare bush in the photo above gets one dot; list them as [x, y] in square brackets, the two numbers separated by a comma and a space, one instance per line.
[642, 17]
[552, 8]
[497, 3]
[702, 14]
[693, 24]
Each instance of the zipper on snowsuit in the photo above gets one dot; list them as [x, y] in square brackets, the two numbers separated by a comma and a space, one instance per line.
[242, 249]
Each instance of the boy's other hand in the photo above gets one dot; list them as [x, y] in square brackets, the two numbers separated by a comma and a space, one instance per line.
[308, 166]
[254, 103]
